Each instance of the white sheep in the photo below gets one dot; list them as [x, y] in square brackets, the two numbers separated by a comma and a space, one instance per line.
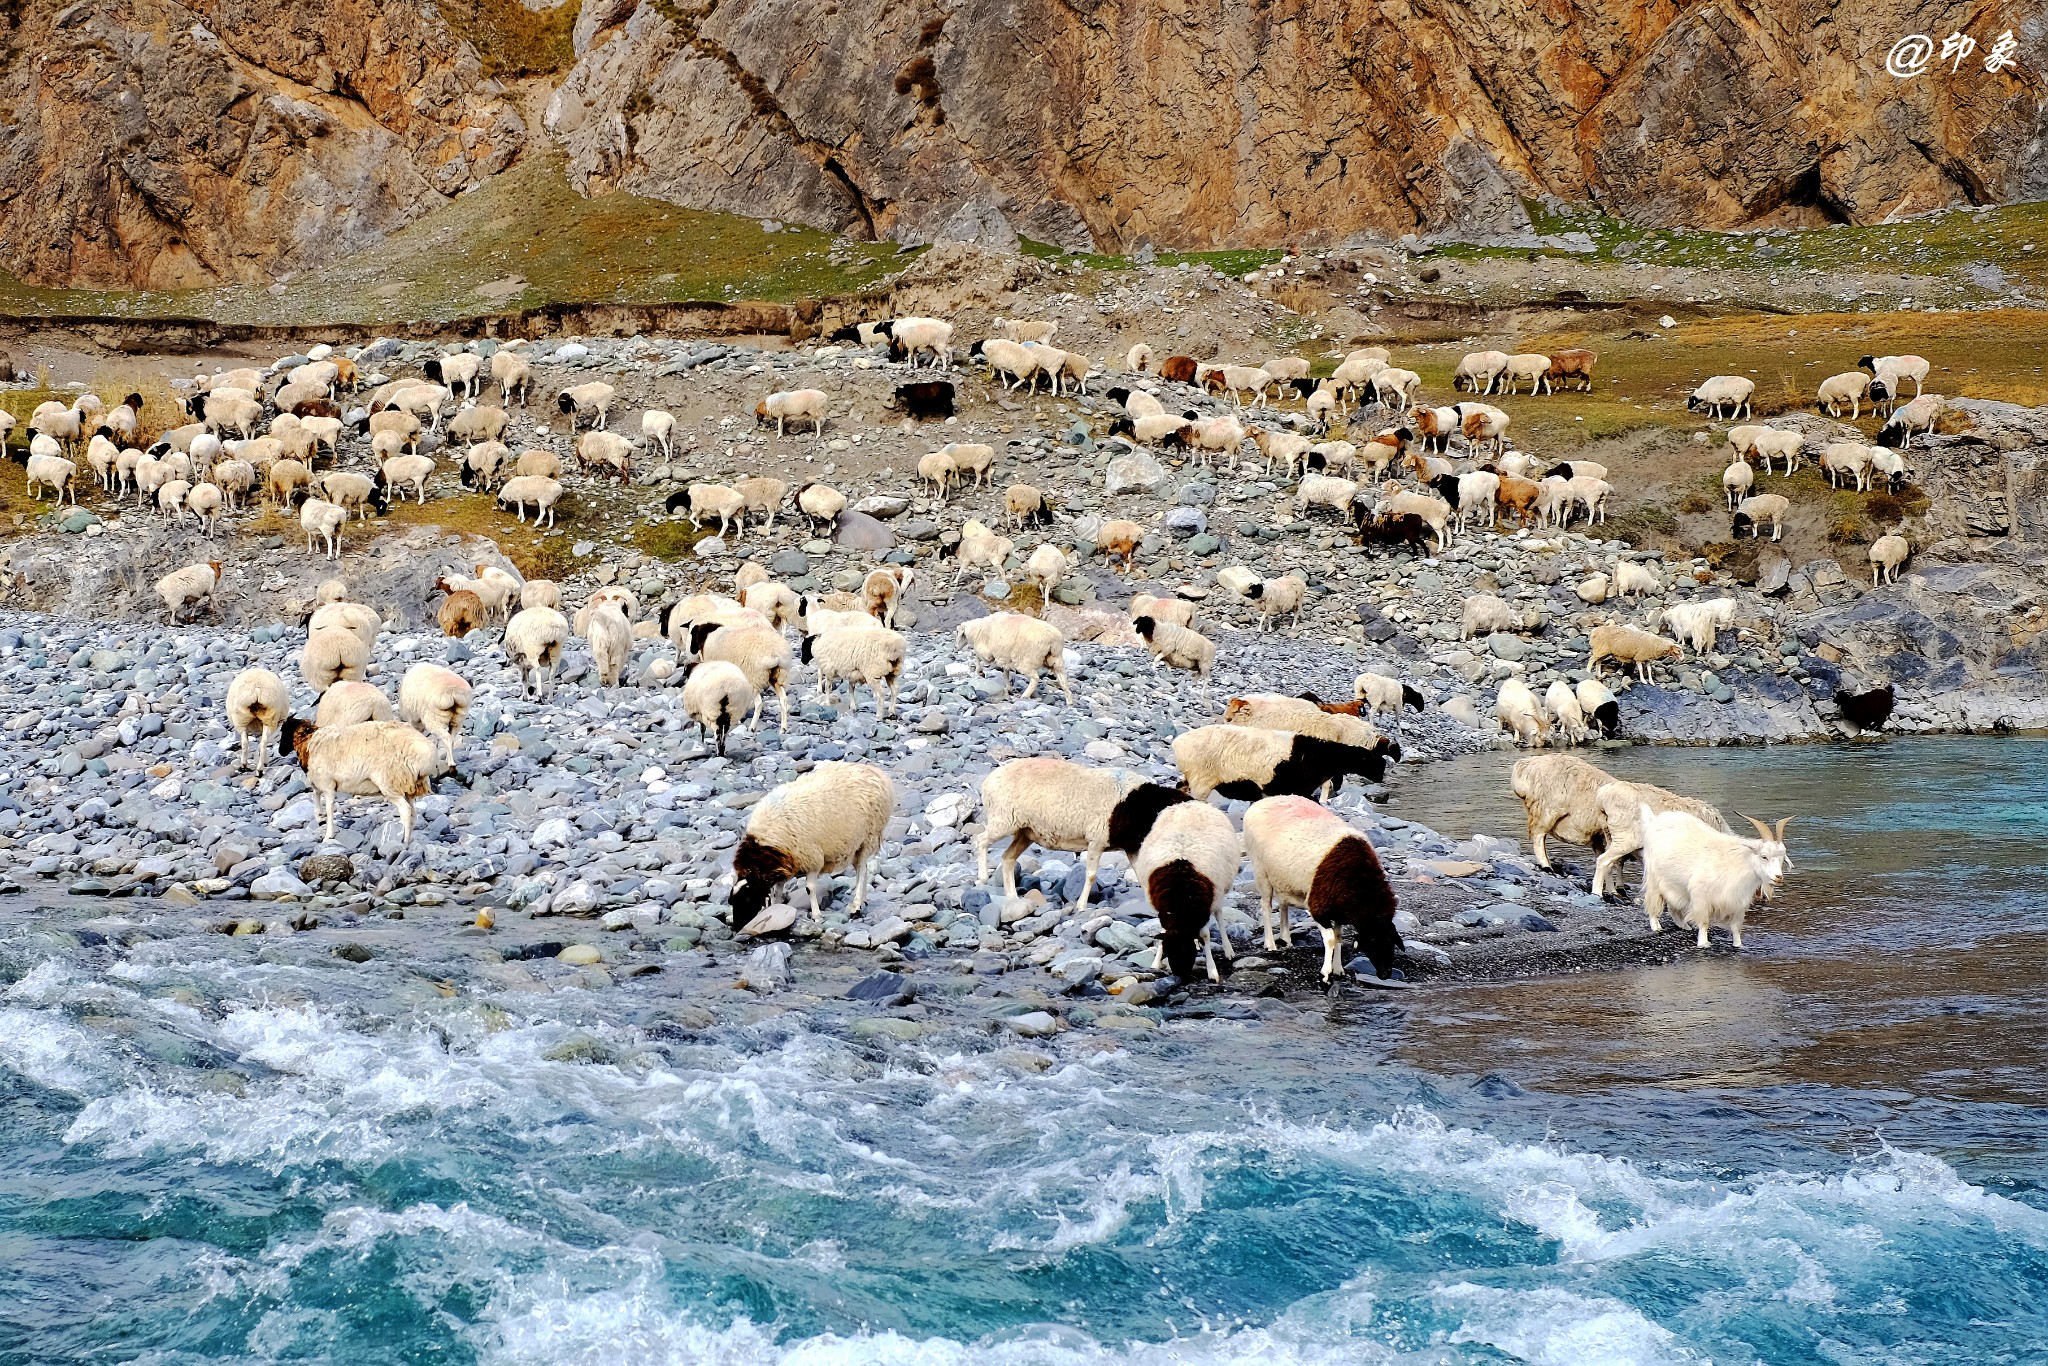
[979, 545]
[435, 700]
[1631, 577]
[320, 518]
[1772, 443]
[1019, 644]
[937, 469]
[1278, 597]
[1305, 855]
[1628, 645]
[605, 453]
[821, 503]
[910, 338]
[1485, 615]
[761, 654]
[777, 602]
[257, 705]
[1045, 567]
[1560, 795]
[728, 505]
[371, 758]
[1527, 366]
[1186, 865]
[1850, 458]
[205, 501]
[716, 695]
[188, 587]
[1521, 714]
[475, 424]
[788, 404]
[1920, 415]
[394, 473]
[1889, 370]
[1736, 481]
[831, 818]
[1011, 362]
[971, 457]
[1302, 716]
[1850, 387]
[1138, 358]
[1323, 490]
[870, 654]
[534, 638]
[1562, 703]
[658, 428]
[1887, 553]
[1698, 623]
[1179, 611]
[1722, 391]
[330, 654]
[1754, 511]
[53, 472]
[1380, 693]
[1479, 371]
[1705, 877]
[610, 639]
[1021, 503]
[535, 490]
[513, 372]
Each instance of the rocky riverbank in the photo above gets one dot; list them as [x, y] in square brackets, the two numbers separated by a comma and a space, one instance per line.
[597, 829]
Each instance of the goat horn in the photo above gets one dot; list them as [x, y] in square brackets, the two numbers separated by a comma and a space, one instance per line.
[1781, 828]
[1761, 828]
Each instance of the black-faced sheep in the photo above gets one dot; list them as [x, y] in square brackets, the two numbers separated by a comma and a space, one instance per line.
[371, 758]
[1058, 804]
[831, 818]
[1244, 763]
[1305, 855]
[1186, 866]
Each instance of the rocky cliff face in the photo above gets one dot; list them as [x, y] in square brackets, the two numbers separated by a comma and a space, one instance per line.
[164, 145]
[1110, 122]
[157, 143]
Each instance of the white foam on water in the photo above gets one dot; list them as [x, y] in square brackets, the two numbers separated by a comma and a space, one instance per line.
[1547, 1326]
[51, 1051]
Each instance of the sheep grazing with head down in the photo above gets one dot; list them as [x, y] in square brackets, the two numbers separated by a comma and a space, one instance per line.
[1560, 794]
[1521, 714]
[257, 706]
[883, 590]
[1598, 705]
[1245, 763]
[1563, 705]
[1186, 865]
[1381, 693]
[760, 652]
[911, 338]
[1018, 644]
[1044, 568]
[1699, 623]
[1058, 804]
[461, 611]
[1722, 391]
[1887, 553]
[1705, 877]
[821, 503]
[592, 401]
[1138, 358]
[871, 654]
[1119, 538]
[1305, 855]
[348, 702]
[785, 406]
[1278, 597]
[831, 818]
[435, 700]
[1629, 645]
[1179, 611]
[717, 696]
[534, 638]
[1751, 513]
[1176, 647]
[980, 545]
[372, 758]
[603, 626]
[189, 586]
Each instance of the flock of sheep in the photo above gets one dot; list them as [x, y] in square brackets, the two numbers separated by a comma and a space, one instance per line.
[731, 651]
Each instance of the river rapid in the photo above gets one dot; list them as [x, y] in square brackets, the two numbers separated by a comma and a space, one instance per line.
[1828, 1148]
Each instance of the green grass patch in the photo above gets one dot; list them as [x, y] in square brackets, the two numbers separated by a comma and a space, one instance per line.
[673, 538]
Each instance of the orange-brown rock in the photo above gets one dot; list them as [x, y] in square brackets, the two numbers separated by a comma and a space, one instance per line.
[149, 143]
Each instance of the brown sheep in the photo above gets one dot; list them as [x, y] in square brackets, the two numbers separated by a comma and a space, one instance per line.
[1518, 496]
[461, 611]
[1179, 369]
[1573, 364]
